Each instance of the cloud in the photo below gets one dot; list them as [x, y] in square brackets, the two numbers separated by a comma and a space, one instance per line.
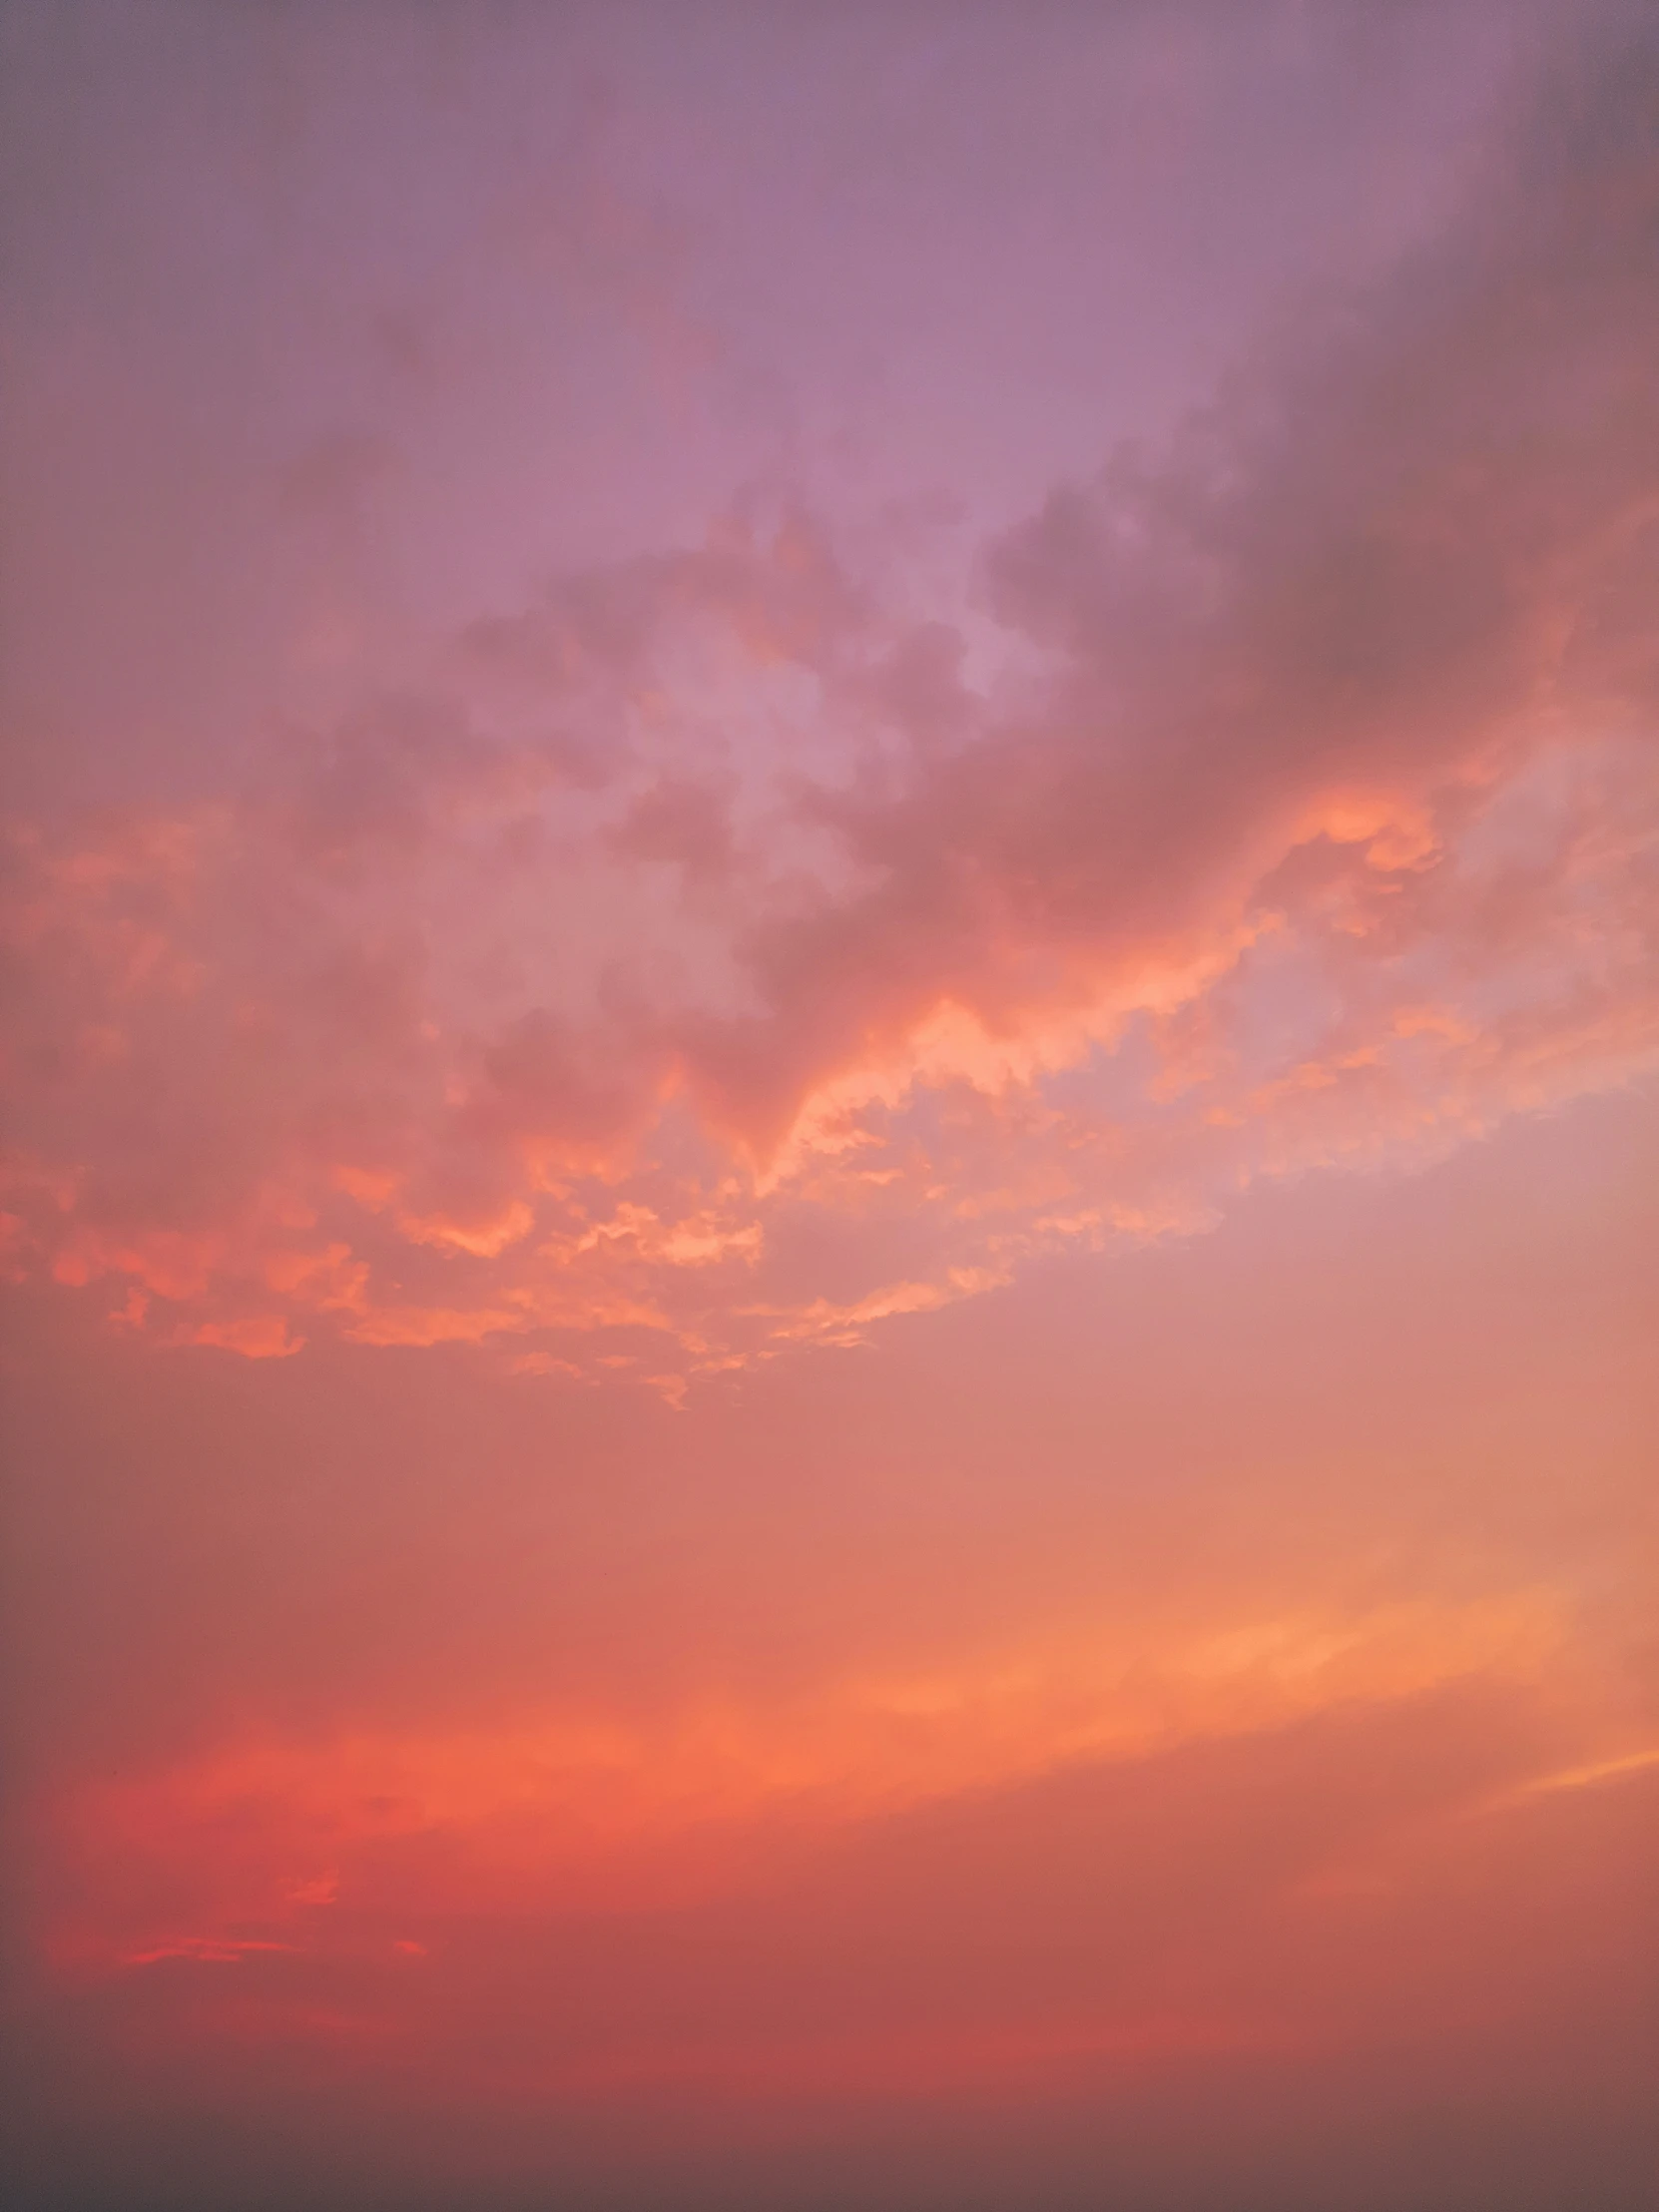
[1311, 820]
[1212, 1930]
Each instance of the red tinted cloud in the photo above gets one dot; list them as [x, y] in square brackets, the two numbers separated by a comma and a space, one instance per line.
[707, 892]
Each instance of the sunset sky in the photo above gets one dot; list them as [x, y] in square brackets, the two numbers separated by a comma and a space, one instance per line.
[831, 1197]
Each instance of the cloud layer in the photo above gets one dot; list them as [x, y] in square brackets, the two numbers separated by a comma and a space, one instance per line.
[702, 959]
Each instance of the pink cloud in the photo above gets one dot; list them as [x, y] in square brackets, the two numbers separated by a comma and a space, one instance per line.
[1340, 765]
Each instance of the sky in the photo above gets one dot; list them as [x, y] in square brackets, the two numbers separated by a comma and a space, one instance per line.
[831, 925]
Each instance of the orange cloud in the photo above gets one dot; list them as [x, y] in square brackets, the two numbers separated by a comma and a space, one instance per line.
[1343, 715]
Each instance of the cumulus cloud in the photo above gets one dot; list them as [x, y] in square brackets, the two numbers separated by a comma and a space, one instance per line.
[1309, 817]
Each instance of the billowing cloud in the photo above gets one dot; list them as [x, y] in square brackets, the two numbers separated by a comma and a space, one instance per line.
[1308, 816]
